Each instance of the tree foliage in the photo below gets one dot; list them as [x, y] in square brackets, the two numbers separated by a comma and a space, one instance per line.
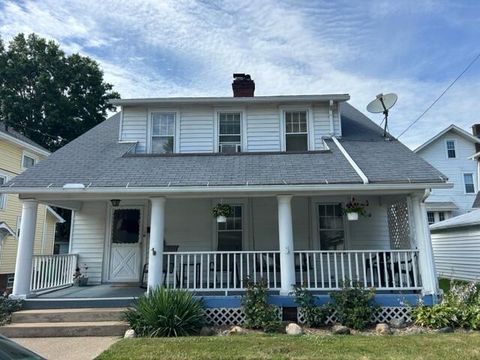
[49, 96]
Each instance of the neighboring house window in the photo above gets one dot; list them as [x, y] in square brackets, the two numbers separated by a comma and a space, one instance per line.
[10, 280]
[451, 149]
[230, 233]
[431, 217]
[331, 227]
[27, 161]
[3, 197]
[296, 133]
[163, 133]
[229, 133]
[441, 216]
[469, 185]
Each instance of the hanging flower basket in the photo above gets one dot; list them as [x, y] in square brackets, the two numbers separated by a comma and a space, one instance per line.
[221, 212]
[354, 208]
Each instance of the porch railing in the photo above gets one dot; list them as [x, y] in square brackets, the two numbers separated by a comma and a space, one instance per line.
[383, 270]
[52, 271]
[220, 270]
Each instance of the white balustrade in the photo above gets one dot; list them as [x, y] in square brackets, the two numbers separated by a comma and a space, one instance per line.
[382, 270]
[52, 271]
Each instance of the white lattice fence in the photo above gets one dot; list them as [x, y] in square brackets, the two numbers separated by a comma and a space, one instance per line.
[235, 316]
[399, 225]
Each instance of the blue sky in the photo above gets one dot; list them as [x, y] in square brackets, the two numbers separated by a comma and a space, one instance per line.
[189, 48]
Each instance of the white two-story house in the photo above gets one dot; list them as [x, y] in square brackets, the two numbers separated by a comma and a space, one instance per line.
[143, 185]
[451, 151]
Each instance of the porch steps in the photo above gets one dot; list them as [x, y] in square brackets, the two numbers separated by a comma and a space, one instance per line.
[77, 303]
[65, 323]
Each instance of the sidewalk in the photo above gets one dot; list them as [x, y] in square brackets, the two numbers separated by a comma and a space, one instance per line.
[71, 348]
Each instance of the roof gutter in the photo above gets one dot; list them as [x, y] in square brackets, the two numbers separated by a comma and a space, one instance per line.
[227, 189]
[351, 161]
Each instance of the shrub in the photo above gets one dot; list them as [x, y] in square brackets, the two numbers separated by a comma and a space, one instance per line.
[354, 305]
[164, 312]
[460, 307]
[315, 316]
[258, 313]
[7, 307]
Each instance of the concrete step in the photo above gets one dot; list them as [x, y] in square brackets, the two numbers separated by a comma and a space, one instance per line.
[64, 329]
[68, 315]
[71, 303]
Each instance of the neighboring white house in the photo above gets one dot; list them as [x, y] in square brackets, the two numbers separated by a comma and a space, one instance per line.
[143, 183]
[456, 244]
[450, 151]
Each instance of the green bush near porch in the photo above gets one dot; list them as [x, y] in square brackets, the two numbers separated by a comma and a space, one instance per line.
[285, 347]
[166, 313]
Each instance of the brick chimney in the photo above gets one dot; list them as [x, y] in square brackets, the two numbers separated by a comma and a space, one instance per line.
[476, 133]
[243, 85]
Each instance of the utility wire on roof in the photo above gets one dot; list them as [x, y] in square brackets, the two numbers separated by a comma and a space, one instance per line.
[441, 95]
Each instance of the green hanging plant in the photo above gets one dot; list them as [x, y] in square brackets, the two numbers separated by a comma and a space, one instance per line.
[222, 210]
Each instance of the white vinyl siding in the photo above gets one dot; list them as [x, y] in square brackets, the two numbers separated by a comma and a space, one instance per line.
[263, 129]
[457, 253]
[196, 130]
[134, 127]
[88, 238]
[321, 124]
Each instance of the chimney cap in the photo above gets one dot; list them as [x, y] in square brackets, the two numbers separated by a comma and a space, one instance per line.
[241, 76]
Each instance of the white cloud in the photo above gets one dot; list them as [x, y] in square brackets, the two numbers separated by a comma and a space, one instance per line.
[173, 48]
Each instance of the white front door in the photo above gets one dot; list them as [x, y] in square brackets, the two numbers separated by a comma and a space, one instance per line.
[125, 240]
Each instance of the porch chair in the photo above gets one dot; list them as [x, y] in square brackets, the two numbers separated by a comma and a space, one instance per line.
[167, 268]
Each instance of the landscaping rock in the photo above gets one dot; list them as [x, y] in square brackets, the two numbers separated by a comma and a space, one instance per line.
[383, 329]
[129, 334]
[207, 331]
[444, 330]
[340, 330]
[236, 330]
[293, 329]
[398, 323]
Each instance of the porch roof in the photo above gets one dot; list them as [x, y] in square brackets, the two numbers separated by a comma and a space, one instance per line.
[98, 160]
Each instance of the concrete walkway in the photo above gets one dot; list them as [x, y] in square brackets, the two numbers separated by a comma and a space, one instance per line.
[71, 348]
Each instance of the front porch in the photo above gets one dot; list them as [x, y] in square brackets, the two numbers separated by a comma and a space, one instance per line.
[285, 241]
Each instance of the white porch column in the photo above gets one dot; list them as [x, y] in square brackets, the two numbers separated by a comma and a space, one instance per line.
[23, 266]
[157, 231]
[424, 244]
[285, 239]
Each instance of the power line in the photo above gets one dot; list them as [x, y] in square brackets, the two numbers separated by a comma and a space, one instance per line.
[441, 95]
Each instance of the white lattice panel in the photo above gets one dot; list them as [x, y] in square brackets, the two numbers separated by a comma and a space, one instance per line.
[399, 225]
[383, 315]
[224, 316]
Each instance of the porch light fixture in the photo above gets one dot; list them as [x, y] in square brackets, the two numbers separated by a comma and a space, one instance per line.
[115, 202]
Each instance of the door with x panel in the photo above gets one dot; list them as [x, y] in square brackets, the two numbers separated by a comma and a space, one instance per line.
[125, 249]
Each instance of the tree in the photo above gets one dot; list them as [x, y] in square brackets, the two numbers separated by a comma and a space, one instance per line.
[49, 96]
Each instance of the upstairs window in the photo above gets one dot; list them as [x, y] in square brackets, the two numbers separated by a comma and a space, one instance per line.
[451, 149]
[296, 134]
[441, 216]
[27, 161]
[3, 197]
[431, 217]
[469, 185]
[163, 133]
[229, 133]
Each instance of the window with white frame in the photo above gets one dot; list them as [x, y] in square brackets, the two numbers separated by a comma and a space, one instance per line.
[163, 133]
[441, 216]
[27, 161]
[229, 132]
[3, 197]
[10, 280]
[296, 131]
[451, 154]
[230, 233]
[431, 217]
[331, 228]
[469, 184]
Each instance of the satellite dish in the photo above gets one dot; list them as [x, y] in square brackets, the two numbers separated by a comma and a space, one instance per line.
[382, 104]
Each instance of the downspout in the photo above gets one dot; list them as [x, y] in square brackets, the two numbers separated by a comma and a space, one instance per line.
[330, 116]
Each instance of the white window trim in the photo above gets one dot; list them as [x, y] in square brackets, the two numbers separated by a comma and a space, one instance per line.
[30, 155]
[243, 126]
[446, 149]
[310, 125]
[3, 206]
[465, 185]
[245, 223]
[316, 224]
[176, 139]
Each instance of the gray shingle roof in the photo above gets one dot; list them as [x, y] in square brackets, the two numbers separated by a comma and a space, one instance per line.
[97, 159]
[15, 134]
[469, 219]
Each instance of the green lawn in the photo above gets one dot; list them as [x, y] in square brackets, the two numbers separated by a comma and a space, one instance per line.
[431, 346]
